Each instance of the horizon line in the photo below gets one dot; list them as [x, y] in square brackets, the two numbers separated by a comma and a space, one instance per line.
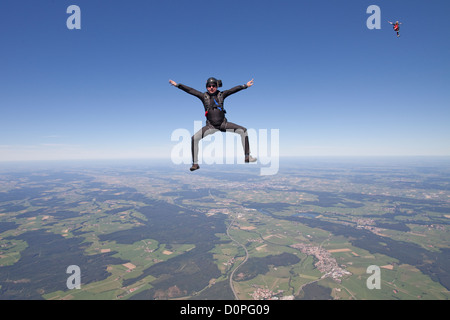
[169, 159]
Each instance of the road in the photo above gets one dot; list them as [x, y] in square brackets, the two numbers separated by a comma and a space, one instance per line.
[245, 260]
[239, 244]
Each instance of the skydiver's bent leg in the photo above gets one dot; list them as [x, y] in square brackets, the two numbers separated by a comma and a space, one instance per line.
[199, 135]
[232, 127]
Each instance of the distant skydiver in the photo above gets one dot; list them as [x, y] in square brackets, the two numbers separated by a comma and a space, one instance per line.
[396, 27]
[212, 101]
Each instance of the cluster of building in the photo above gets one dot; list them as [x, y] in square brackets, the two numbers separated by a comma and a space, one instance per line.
[368, 224]
[230, 262]
[364, 222]
[326, 263]
[372, 229]
[266, 294]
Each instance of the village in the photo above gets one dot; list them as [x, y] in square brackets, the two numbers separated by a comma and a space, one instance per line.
[326, 264]
[266, 294]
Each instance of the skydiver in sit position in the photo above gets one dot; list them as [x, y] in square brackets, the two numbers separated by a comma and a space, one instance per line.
[212, 101]
[396, 27]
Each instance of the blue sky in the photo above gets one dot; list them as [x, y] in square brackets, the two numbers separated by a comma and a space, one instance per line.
[331, 86]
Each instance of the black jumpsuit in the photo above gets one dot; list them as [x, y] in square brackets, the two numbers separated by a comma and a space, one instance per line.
[216, 120]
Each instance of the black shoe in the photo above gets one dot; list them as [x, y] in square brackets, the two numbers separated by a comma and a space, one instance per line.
[249, 159]
[194, 167]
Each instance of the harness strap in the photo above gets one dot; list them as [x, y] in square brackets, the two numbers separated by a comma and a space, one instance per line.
[219, 104]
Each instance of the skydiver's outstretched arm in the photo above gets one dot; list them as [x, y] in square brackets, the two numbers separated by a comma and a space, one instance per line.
[235, 89]
[187, 89]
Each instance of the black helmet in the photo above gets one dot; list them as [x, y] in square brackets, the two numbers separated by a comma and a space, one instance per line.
[212, 80]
